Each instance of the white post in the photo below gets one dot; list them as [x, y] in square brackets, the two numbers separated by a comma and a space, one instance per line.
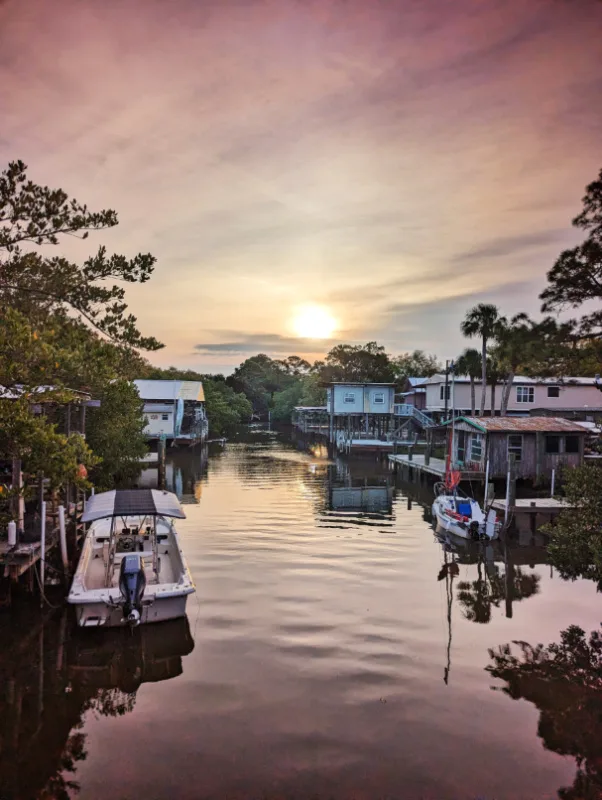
[42, 551]
[553, 486]
[12, 533]
[63, 540]
[486, 480]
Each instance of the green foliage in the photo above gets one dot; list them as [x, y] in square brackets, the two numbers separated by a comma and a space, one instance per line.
[367, 363]
[39, 286]
[482, 321]
[306, 391]
[576, 277]
[416, 364]
[563, 681]
[259, 378]
[576, 538]
[33, 438]
[226, 409]
[114, 431]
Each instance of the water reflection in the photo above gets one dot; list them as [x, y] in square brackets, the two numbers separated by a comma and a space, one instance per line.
[564, 682]
[185, 470]
[54, 677]
[340, 652]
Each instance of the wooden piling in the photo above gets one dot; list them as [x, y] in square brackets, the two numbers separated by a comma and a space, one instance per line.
[161, 448]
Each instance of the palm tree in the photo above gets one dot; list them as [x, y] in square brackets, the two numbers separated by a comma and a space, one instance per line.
[482, 320]
[494, 374]
[469, 363]
[515, 341]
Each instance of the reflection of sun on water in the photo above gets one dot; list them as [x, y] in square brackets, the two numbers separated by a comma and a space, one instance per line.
[314, 322]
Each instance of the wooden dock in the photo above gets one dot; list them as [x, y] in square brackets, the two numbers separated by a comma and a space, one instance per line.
[534, 505]
[436, 466]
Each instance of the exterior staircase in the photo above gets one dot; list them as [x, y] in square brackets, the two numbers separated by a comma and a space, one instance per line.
[407, 411]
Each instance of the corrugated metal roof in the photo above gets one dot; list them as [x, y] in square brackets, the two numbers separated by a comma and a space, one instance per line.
[525, 424]
[519, 380]
[170, 390]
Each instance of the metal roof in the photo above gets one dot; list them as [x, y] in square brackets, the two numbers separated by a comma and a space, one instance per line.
[132, 502]
[523, 424]
[518, 381]
[170, 390]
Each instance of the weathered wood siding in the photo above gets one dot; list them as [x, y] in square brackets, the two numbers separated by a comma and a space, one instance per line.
[527, 467]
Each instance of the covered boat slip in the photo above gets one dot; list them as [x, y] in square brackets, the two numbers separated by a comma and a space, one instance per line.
[131, 526]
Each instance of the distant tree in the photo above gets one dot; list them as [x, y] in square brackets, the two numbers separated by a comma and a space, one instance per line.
[368, 363]
[576, 277]
[114, 431]
[294, 365]
[306, 391]
[469, 363]
[416, 364]
[32, 216]
[226, 409]
[576, 537]
[259, 378]
[563, 681]
[482, 321]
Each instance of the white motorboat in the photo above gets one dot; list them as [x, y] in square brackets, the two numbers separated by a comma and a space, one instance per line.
[462, 515]
[132, 569]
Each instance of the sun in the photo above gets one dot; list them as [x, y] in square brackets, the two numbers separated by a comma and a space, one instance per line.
[314, 322]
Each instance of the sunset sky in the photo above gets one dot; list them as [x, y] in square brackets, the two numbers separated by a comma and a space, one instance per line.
[394, 162]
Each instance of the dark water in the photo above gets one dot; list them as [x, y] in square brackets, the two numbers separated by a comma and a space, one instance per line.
[335, 649]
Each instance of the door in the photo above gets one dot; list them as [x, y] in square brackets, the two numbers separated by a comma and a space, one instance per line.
[461, 449]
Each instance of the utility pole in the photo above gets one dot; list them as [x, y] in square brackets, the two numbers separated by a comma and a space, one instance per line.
[446, 391]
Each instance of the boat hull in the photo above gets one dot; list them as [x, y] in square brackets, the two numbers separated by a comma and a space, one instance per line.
[102, 615]
[449, 525]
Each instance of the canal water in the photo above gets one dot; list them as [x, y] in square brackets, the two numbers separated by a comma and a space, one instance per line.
[336, 648]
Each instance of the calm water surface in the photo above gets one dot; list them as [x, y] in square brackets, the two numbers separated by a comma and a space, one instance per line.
[335, 649]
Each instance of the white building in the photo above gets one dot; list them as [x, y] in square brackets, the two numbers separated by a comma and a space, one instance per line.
[174, 409]
[563, 397]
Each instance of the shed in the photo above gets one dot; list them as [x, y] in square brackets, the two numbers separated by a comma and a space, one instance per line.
[174, 409]
[539, 445]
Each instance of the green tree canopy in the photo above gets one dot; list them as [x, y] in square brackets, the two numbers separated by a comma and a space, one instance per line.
[416, 364]
[115, 433]
[32, 216]
[576, 537]
[576, 277]
[367, 363]
[482, 321]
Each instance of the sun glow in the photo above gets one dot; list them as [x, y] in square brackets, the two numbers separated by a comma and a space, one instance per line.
[314, 322]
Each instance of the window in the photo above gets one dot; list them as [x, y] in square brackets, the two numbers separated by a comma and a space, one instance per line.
[164, 416]
[553, 391]
[515, 446]
[525, 394]
[379, 397]
[571, 444]
[552, 444]
[476, 447]
[349, 397]
[444, 392]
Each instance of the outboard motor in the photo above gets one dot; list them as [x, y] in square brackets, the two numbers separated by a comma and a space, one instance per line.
[132, 583]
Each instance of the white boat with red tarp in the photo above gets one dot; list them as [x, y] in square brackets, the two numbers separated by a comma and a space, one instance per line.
[455, 511]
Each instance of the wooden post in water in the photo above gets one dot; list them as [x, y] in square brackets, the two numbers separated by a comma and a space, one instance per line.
[510, 488]
[42, 551]
[161, 447]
